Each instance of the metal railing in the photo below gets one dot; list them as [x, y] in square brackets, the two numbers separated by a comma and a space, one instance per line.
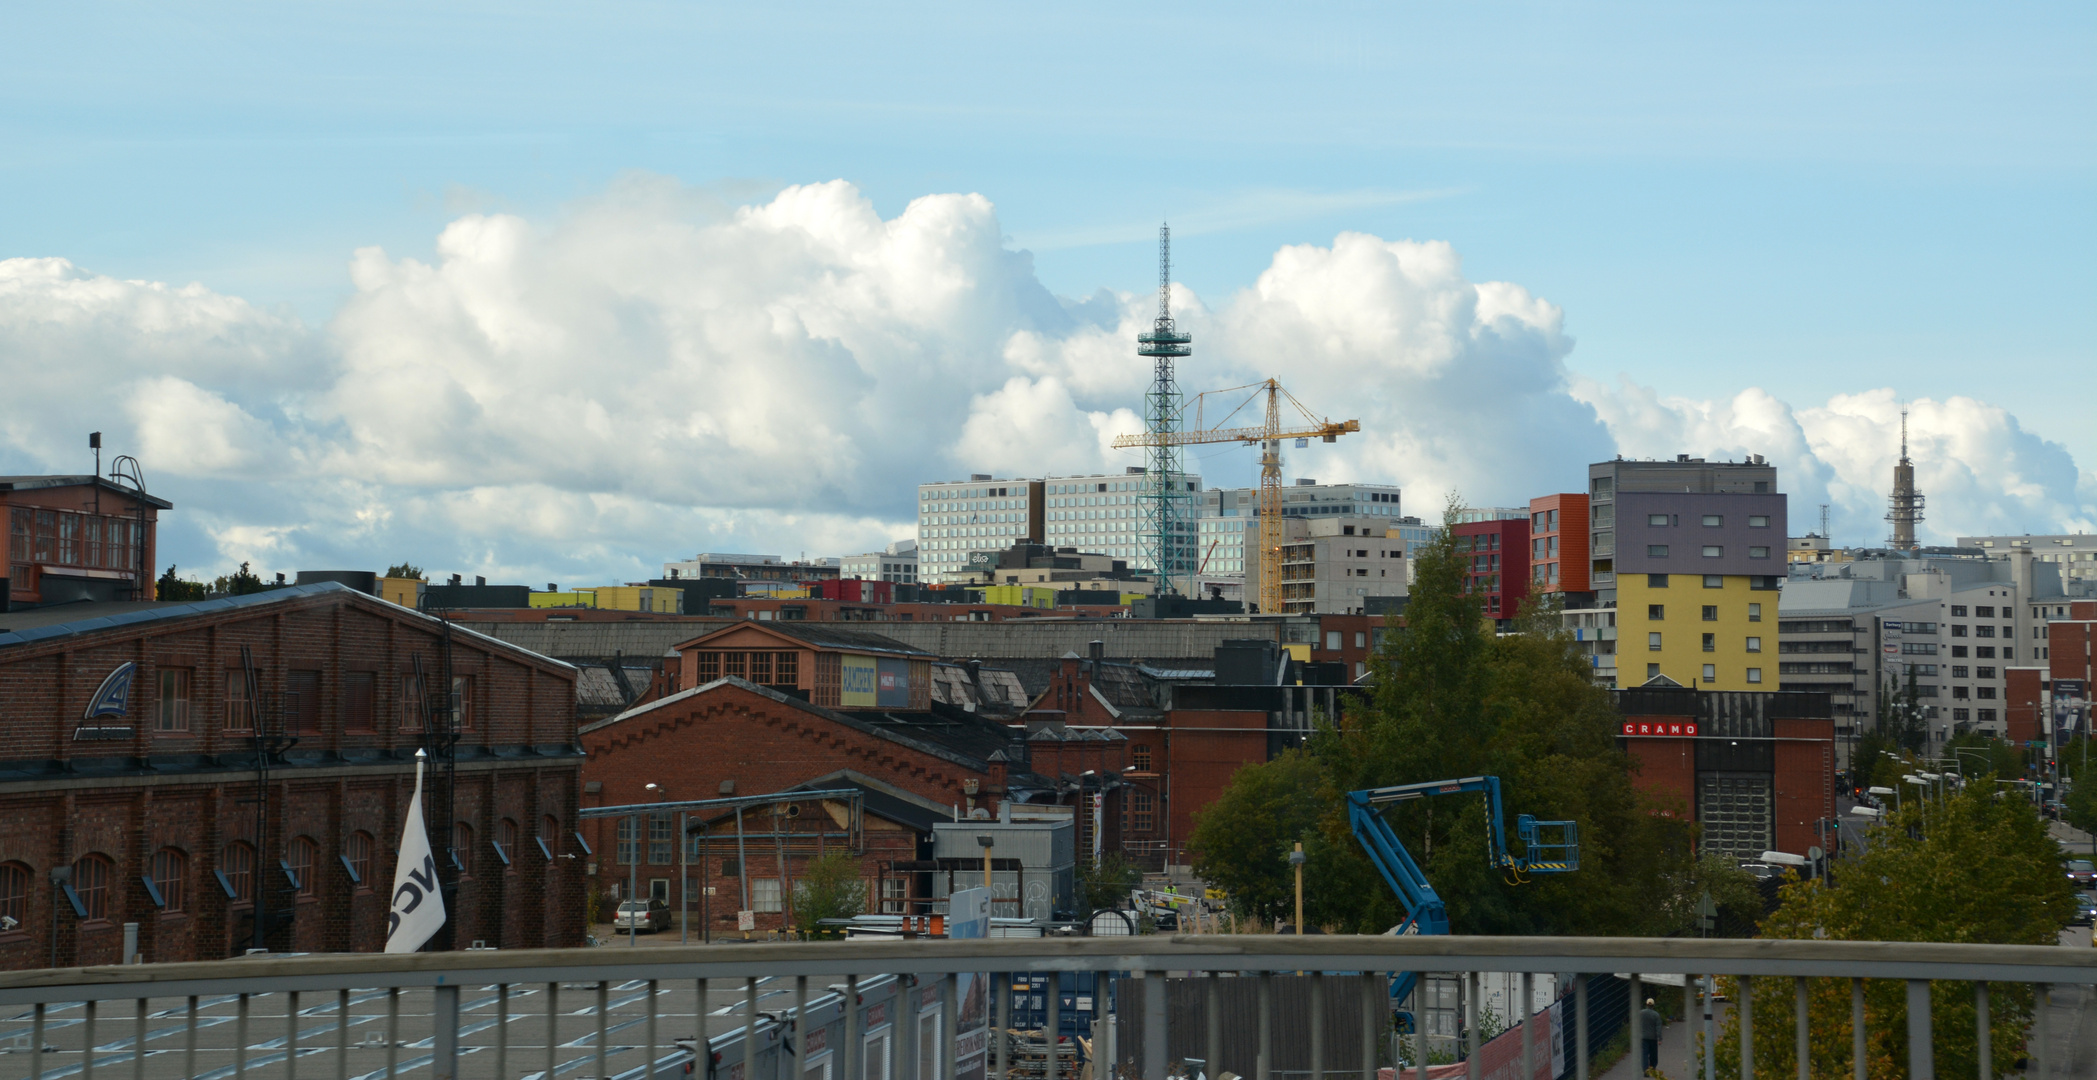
[501, 1014]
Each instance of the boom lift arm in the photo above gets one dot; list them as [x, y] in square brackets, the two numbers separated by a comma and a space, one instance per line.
[1549, 847]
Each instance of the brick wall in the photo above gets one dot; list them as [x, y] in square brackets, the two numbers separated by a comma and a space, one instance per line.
[62, 800]
[1805, 781]
[1667, 769]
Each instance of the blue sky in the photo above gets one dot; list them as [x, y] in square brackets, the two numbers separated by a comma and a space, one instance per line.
[1808, 200]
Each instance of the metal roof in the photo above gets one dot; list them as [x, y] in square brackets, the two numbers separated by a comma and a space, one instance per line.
[32, 483]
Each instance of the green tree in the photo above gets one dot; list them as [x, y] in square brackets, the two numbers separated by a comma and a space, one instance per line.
[832, 887]
[239, 583]
[2079, 805]
[1105, 883]
[1975, 867]
[1453, 699]
[170, 587]
[1243, 839]
[404, 570]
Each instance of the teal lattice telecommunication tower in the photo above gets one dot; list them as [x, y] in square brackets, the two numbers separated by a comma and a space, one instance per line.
[1167, 503]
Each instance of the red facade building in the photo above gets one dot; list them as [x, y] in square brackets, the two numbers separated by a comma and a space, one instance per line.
[1558, 545]
[1496, 554]
[131, 767]
[1755, 771]
[77, 538]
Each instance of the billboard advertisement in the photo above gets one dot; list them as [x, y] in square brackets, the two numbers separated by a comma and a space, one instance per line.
[892, 684]
[857, 681]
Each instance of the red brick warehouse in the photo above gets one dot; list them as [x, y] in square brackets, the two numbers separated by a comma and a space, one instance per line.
[151, 813]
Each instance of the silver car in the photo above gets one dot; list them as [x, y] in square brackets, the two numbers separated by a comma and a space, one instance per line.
[649, 915]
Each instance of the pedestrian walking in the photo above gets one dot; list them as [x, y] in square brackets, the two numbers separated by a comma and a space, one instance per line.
[1649, 1037]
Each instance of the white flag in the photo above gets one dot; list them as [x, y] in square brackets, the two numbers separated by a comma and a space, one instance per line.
[418, 908]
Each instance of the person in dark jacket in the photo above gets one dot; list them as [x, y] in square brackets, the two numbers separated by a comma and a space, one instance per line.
[1649, 1036]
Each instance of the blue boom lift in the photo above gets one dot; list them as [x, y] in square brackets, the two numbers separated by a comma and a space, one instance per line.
[1551, 847]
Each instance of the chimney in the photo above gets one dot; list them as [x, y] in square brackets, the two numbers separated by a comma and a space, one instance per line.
[479, 580]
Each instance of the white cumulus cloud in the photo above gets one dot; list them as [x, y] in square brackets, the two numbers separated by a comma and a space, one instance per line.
[654, 372]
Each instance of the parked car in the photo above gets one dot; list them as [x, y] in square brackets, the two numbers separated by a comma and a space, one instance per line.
[649, 915]
[2083, 873]
[2085, 911]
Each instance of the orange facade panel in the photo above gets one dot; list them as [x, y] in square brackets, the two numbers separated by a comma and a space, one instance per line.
[1558, 539]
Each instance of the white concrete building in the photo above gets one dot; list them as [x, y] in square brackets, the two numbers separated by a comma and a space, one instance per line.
[1333, 565]
[2076, 554]
[981, 513]
[1221, 536]
[897, 562]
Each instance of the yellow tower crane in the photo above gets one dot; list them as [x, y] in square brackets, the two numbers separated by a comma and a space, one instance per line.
[1268, 436]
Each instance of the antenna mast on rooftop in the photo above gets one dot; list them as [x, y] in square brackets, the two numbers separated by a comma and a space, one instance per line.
[1167, 504]
[1906, 510]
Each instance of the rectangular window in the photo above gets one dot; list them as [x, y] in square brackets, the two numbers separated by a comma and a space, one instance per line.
[462, 701]
[1658, 521]
[238, 715]
[1985, 693]
[786, 669]
[764, 895]
[411, 699]
[1984, 652]
[1956, 650]
[1958, 630]
[1710, 612]
[1713, 521]
[1758, 553]
[1959, 693]
[733, 666]
[1656, 612]
[1710, 642]
[761, 668]
[358, 690]
[662, 843]
[1984, 673]
[1958, 611]
[173, 712]
[302, 701]
[1652, 671]
[709, 667]
[1142, 812]
[1656, 581]
[1656, 551]
[1714, 551]
[1653, 642]
[1758, 521]
[1961, 671]
[1754, 674]
[1984, 612]
[1710, 673]
[1754, 644]
[1960, 716]
[1983, 631]
[1754, 612]
[1987, 716]
[1714, 581]
[629, 846]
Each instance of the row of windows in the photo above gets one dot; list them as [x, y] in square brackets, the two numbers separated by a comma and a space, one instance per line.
[1710, 643]
[1710, 551]
[1757, 582]
[298, 707]
[1959, 630]
[762, 668]
[1658, 612]
[1710, 673]
[1711, 521]
[1959, 716]
[68, 539]
[168, 885]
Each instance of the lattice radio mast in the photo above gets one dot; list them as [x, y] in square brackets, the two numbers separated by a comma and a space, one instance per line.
[1165, 499]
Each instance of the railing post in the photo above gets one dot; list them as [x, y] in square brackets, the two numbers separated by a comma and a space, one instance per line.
[1154, 1053]
[1473, 1061]
[750, 1030]
[853, 1051]
[1689, 1019]
[1528, 1042]
[1419, 1028]
[1579, 1028]
[87, 1050]
[1371, 992]
[1053, 1028]
[800, 1043]
[604, 1037]
[1317, 1026]
[1983, 1039]
[444, 1017]
[1213, 1016]
[393, 1032]
[2041, 994]
[341, 1036]
[1263, 1064]
[647, 1063]
[291, 1037]
[1921, 1056]
[138, 1057]
[189, 1039]
[1799, 1019]
[553, 1028]
[240, 1038]
[1747, 1027]
[1857, 1052]
[502, 1031]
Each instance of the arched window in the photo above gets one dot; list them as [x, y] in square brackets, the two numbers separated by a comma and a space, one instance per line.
[462, 847]
[237, 863]
[359, 854]
[91, 882]
[14, 895]
[171, 877]
[507, 834]
[305, 857]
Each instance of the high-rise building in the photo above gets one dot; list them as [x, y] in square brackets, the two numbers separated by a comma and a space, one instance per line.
[1104, 514]
[981, 513]
[1558, 538]
[2075, 555]
[1224, 545]
[1333, 565]
[1691, 553]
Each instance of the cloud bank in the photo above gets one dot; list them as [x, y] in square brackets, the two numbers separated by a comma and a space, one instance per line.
[654, 373]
